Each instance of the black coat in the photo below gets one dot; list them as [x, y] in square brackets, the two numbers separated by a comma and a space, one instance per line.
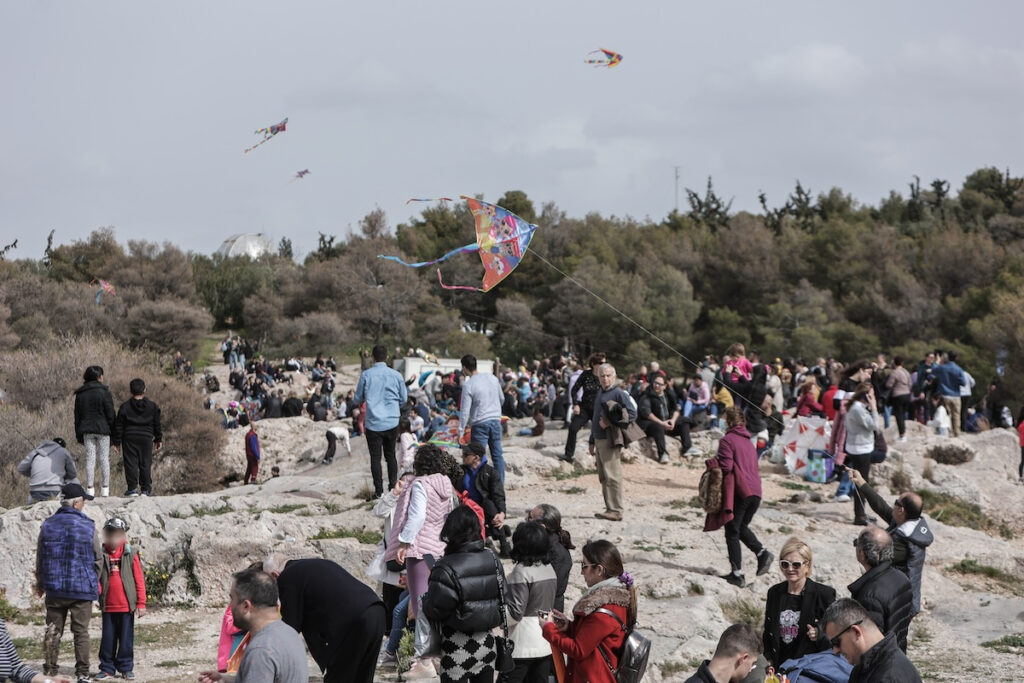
[888, 597]
[272, 407]
[813, 602]
[649, 404]
[324, 603]
[463, 591]
[138, 419]
[489, 485]
[292, 407]
[94, 410]
[561, 562]
[884, 663]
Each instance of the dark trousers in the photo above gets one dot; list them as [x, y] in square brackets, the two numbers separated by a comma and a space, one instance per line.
[900, 404]
[252, 469]
[137, 453]
[964, 401]
[382, 443]
[485, 676]
[354, 660]
[391, 596]
[57, 611]
[577, 423]
[862, 463]
[117, 643]
[332, 446]
[1020, 468]
[528, 671]
[738, 529]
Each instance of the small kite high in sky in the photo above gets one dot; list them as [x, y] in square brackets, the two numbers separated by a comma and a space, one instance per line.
[502, 239]
[300, 175]
[608, 59]
[268, 133]
[104, 287]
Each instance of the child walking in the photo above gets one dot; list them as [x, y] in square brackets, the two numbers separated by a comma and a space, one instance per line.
[122, 596]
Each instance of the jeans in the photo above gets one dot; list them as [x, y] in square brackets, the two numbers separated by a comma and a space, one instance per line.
[39, 496]
[97, 445]
[886, 414]
[57, 611]
[117, 643]
[382, 443]
[399, 618]
[489, 434]
[845, 485]
[738, 529]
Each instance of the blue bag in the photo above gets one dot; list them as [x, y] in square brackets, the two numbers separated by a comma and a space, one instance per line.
[820, 667]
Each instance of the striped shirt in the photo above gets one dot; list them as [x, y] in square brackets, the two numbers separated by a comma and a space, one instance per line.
[11, 666]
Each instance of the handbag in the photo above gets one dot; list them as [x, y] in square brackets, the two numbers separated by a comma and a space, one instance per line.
[881, 448]
[504, 663]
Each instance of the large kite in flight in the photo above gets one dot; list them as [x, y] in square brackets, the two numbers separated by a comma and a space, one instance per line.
[104, 287]
[607, 59]
[268, 133]
[502, 239]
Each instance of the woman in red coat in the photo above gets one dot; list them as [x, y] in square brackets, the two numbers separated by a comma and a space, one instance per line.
[593, 640]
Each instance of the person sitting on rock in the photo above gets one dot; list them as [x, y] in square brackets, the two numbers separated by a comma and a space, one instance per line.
[49, 467]
[482, 484]
[908, 529]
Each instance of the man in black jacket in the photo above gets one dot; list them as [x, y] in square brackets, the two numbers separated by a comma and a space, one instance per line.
[734, 658]
[658, 414]
[883, 591]
[875, 657]
[274, 405]
[483, 485]
[340, 617]
[138, 433]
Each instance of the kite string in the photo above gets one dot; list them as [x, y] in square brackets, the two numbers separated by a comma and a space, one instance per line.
[638, 325]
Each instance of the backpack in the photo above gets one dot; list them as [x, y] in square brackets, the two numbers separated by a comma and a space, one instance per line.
[633, 662]
[709, 492]
[820, 667]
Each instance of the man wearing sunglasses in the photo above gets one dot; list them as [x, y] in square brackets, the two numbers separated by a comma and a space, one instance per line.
[876, 658]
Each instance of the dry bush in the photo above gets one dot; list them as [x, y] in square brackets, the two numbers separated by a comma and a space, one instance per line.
[40, 383]
[166, 325]
[950, 454]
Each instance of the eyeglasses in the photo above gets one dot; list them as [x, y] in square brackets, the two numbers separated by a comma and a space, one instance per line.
[786, 564]
[898, 503]
[659, 384]
[836, 642]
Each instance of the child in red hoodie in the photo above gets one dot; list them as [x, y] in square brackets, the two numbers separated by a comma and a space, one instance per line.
[122, 596]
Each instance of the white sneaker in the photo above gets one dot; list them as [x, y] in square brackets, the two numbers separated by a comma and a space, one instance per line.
[388, 659]
[663, 459]
[694, 451]
[902, 439]
[421, 670]
[843, 499]
[90, 490]
[104, 492]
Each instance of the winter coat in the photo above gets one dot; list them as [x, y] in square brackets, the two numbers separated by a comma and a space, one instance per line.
[439, 501]
[94, 410]
[717, 520]
[898, 382]
[488, 485]
[561, 561]
[807, 406]
[589, 630]
[137, 418]
[860, 428]
[910, 541]
[531, 590]
[886, 594]
[67, 563]
[737, 454]
[463, 590]
[815, 598]
[615, 395]
[884, 663]
[49, 467]
[649, 404]
[273, 407]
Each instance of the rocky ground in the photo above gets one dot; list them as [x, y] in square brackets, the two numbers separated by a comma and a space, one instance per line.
[199, 540]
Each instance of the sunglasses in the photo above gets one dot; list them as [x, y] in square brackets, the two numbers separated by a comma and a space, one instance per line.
[835, 642]
[786, 564]
[585, 566]
[898, 503]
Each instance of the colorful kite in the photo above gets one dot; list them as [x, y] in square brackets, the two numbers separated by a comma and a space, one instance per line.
[438, 199]
[104, 287]
[268, 133]
[447, 435]
[502, 239]
[609, 59]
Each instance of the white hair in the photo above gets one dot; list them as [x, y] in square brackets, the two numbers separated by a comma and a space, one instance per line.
[274, 563]
[71, 502]
[607, 366]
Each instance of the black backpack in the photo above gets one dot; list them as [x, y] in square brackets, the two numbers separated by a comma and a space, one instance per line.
[633, 662]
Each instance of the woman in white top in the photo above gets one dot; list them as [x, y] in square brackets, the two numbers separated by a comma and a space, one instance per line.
[861, 423]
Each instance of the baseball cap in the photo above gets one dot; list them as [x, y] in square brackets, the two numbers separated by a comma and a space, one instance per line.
[74, 491]
[116, 524]
[474, 449]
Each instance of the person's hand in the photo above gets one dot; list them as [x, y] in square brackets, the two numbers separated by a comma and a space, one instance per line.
[210, 676]
[40, 591]
[403, 549]
[58, 679]
[575, 410]
[856, 477]
[671, 424]
[115, 448]
[498, 519]
[140, 612]
[603, 422]
[158, 446]
[560, 621]
[397, 491]
[812, 633]
[591, 449]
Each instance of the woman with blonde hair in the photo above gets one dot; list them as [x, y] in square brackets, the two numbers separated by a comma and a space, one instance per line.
[794, 608]
[807, 404]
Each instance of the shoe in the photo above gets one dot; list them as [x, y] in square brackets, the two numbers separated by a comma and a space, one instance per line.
[860, 522]
[843, 498]
[129, 675]
[90, 490]
[693, 450]
[663, 459]
[902, 439]
[327, 461]
[105, 492]
[103, 676]
[85, 679]
[764, 562]
[736, 579]
[421, 670]
[610, 516]
[147, 494]
[566, 458]
[132, 494]
[387, 659]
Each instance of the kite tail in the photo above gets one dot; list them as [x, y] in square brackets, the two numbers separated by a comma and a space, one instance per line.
[257, 144]
[444, 286]
[468, 249]
[439, 199]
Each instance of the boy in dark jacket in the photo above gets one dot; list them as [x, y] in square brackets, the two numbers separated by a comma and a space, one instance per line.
[138, 433]
[122, 596]
[482, 484]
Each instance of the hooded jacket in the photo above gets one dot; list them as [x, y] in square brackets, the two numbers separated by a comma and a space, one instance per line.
[94, 410]
[884, 663]
[737, 454]
[49, 467]
[137, 418]
[910, 541]
[886, 594]
[463, 591]
[590, 630]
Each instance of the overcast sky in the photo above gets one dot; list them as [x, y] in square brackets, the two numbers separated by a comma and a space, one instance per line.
[135, 114]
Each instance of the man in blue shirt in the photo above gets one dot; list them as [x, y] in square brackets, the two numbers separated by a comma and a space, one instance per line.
[384, 392]
[949, 377]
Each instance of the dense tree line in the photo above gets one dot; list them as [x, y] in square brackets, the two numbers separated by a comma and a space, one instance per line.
[811, 274]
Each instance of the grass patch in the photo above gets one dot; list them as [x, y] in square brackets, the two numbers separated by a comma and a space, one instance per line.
[969, 566]
[695, 589]
[209, 353]
[331, 508]
[8, 612]
[675, 518]
[170, 664]
[285, 509]
[365, 492]
[1009, 644]
[203, 511]
[561, 475]
[794, 486]
[640, 545]
[366, 536]
[958, 512]
[170, 633]
[671, 668]
[744, 611]
[785, 529]
[575, 490]
[680, 504]
[900, 480]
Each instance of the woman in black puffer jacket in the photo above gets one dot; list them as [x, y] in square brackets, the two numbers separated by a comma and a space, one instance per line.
[464, 597]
